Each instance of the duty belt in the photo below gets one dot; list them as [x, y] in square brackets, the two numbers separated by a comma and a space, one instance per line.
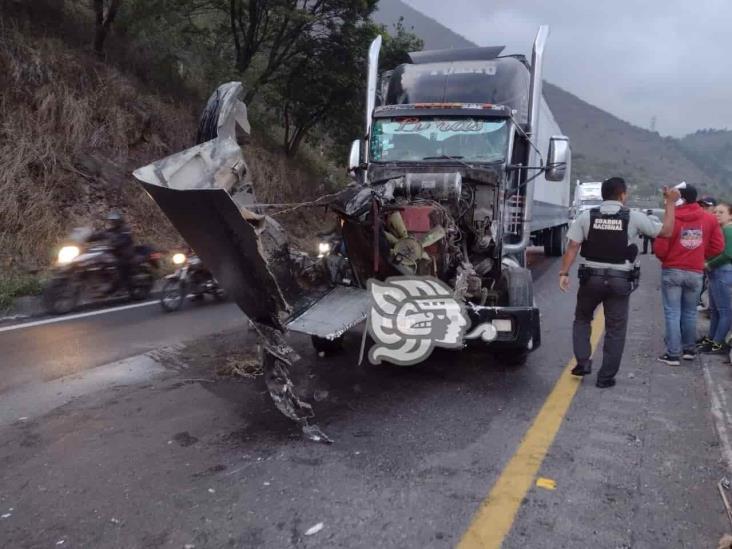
[633, 275]
[613, 273]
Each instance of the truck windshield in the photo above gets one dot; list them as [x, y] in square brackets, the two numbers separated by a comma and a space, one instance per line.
[438, 138]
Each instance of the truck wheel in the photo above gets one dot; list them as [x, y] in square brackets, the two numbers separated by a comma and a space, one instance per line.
[519, 286]
[555, 241]
[327, 346]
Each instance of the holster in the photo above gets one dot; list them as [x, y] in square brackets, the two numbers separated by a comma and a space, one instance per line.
[634, 278]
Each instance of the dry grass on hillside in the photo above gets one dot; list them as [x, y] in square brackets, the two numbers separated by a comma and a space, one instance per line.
[72, 129]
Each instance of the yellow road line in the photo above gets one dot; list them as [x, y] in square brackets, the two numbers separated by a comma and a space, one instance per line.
[494, 518]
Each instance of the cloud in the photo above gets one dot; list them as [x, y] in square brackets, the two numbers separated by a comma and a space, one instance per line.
[638, 60]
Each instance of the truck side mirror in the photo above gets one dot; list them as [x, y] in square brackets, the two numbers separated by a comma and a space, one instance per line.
[354, 157]
[558, 158]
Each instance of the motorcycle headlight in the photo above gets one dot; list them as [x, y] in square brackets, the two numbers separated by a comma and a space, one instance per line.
[323, 249]
[67, 254]
[179, 259]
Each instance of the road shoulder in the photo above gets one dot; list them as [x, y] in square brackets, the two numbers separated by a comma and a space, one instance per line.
[636, 465]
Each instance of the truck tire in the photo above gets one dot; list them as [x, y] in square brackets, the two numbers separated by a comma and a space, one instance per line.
[519, 286]
[327, 347]
[555, 241]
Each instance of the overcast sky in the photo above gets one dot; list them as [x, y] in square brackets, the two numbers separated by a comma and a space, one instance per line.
[636, 59]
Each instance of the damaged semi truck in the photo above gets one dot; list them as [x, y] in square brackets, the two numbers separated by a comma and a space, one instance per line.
[451, 182]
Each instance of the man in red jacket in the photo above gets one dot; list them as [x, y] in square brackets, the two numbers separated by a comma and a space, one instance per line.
[696, 237]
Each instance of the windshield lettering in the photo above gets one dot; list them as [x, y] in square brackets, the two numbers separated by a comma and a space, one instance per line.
[438, 138]
[461, 125]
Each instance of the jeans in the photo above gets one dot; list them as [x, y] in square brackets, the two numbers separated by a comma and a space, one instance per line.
[720, 308]
[681, 290]
[614, 294]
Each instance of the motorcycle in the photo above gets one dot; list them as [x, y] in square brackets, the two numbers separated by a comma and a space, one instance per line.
[191, 276]
[90, 271]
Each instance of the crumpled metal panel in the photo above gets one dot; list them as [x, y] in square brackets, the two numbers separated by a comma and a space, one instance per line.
[334, 314]
[229, 246]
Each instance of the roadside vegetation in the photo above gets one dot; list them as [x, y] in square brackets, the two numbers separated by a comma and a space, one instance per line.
[14, 286]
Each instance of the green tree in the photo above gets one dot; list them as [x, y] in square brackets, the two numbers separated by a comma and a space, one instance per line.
[325, 87]
[397, 44]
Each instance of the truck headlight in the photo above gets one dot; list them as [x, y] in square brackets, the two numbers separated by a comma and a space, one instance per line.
[67, 254]
[179, 259]
[502, 324]
[323, 249]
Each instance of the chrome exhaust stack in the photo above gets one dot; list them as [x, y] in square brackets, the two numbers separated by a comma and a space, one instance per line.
[535, 98]
[371, 80]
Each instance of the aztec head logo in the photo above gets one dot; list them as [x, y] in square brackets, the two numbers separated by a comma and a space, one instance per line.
[409, 317]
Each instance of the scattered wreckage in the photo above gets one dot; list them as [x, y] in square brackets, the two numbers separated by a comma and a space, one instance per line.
[448, 182]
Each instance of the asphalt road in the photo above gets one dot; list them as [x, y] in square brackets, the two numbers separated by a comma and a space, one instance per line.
[160, 450]
[44, 352]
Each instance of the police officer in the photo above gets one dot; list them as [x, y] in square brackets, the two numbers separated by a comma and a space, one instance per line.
[607, 271]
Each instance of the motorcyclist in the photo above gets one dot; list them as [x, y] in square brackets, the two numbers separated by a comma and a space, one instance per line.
[118, 236]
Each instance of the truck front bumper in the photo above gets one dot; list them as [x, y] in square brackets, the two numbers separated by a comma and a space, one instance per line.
[515, 327]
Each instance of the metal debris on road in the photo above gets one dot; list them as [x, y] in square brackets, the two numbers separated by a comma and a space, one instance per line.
[314, 529]
[313, 433]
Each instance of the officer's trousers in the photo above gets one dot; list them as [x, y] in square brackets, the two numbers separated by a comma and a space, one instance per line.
[614, 295]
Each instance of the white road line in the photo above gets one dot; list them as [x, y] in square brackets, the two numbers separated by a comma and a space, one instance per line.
[722, 420]
[74, 317]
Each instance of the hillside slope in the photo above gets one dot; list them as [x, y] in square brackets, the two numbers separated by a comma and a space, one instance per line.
[602, 144]
[74, 128]
[713, 149]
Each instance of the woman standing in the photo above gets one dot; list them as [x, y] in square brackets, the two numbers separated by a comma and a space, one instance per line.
[720, 284]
